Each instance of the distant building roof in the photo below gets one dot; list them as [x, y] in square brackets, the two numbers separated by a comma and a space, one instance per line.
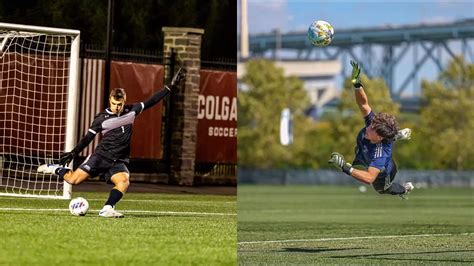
[302, 69]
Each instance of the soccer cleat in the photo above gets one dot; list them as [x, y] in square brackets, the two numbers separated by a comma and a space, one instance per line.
[109, 212]
[408, 187]
[403, 134]
[48, 168]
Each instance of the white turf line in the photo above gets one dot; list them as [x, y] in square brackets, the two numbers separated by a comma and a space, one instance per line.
[131, 211]
[134, 200]
[347, 238]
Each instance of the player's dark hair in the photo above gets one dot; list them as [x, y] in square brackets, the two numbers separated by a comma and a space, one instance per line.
[385, 125]
[118, 94]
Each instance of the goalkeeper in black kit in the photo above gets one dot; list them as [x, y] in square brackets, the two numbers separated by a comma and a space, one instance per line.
[111, 156]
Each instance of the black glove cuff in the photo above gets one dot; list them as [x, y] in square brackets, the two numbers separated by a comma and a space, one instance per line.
[357, 85]
[347, 168]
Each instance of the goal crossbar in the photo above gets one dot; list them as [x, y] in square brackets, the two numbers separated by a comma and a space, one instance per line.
[37, 29]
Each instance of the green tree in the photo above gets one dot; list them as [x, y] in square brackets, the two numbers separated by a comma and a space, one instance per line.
[267, 93]
[447, 117]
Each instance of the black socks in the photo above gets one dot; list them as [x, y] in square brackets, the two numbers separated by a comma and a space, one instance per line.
[114, 197]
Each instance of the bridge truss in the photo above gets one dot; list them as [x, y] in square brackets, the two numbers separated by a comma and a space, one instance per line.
[382, 51]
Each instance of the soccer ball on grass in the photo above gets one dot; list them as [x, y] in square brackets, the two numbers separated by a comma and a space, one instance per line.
[320, 33]
[78, 206]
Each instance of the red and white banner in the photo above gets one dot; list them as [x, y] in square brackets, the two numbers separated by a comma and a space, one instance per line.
[217, 117]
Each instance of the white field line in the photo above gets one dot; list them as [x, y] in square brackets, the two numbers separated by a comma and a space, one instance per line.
[172, 201]
[138, 200]
[131, 211]
[347, 238]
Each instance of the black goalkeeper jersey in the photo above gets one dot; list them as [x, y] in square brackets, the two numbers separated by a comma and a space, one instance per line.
[116, 132]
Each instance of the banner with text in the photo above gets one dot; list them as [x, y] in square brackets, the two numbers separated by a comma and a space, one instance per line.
[217, 117]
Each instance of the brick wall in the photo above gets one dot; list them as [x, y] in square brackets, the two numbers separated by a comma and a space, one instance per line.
[186, 43]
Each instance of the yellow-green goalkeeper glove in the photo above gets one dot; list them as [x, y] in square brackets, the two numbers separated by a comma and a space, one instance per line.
[338, 161]
[355, 80]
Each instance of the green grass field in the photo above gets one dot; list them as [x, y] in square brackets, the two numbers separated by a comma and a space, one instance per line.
[340, 225]
[158, 229]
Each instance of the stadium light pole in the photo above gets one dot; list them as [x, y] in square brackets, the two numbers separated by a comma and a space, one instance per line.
[108, 50]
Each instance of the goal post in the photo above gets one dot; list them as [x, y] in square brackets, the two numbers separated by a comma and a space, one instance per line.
[39, 80]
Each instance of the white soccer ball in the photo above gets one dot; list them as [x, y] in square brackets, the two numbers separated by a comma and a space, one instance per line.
[78, 206]
[320, 33]
[362, 189]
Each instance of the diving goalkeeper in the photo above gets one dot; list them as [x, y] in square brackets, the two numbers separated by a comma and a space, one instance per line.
[374, 146]
[111, 156]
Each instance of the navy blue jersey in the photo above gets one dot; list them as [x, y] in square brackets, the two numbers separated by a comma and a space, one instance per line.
[373, 155]
[116, 131]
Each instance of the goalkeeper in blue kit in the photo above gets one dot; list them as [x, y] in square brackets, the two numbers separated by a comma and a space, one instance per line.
[111, 156]
[373, 155]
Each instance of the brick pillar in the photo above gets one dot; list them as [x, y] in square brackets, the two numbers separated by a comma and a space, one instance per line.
[186, 43]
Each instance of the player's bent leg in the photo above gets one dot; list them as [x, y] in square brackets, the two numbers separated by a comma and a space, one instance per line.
[121, 181]
[379, 185]
[396, 189]
[76, 177]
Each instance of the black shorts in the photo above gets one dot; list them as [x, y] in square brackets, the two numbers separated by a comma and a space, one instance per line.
[384, 180]
[96, 165]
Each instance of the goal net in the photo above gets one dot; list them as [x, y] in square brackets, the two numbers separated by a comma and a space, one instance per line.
[38, 107]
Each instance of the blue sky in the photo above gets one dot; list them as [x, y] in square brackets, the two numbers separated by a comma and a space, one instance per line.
[292, 15]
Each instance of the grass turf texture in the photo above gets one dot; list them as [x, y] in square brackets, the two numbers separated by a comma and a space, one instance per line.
[177, 229]
[318, 214]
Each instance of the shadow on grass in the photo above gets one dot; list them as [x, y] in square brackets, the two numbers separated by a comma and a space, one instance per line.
[314, 250]
[379, 256]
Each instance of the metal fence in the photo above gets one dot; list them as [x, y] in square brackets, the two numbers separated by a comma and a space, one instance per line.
[205, 172]
[151, 57]
[423, 178]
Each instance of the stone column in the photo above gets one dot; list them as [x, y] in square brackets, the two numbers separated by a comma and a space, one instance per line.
[186, 43]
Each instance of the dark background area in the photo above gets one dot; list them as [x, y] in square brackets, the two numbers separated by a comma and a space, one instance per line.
[137, 23]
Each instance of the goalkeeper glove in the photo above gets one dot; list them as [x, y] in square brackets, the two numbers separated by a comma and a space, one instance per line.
[66, 158]
[180, 75]
[355, 80]
[338, 161]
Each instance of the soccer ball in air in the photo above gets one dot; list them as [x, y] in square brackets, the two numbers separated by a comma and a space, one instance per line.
[320, 33]
[78, 206]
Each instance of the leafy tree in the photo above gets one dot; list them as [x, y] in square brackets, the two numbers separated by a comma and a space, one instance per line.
[267, 93]
[448, 117]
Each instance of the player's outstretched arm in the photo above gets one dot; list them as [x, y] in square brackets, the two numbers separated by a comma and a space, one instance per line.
[361, 97]
[158, 96]
[367, 177]
[338, 161]
[67, 157]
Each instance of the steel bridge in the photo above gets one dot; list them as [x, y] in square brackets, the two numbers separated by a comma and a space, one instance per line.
[382, 51]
